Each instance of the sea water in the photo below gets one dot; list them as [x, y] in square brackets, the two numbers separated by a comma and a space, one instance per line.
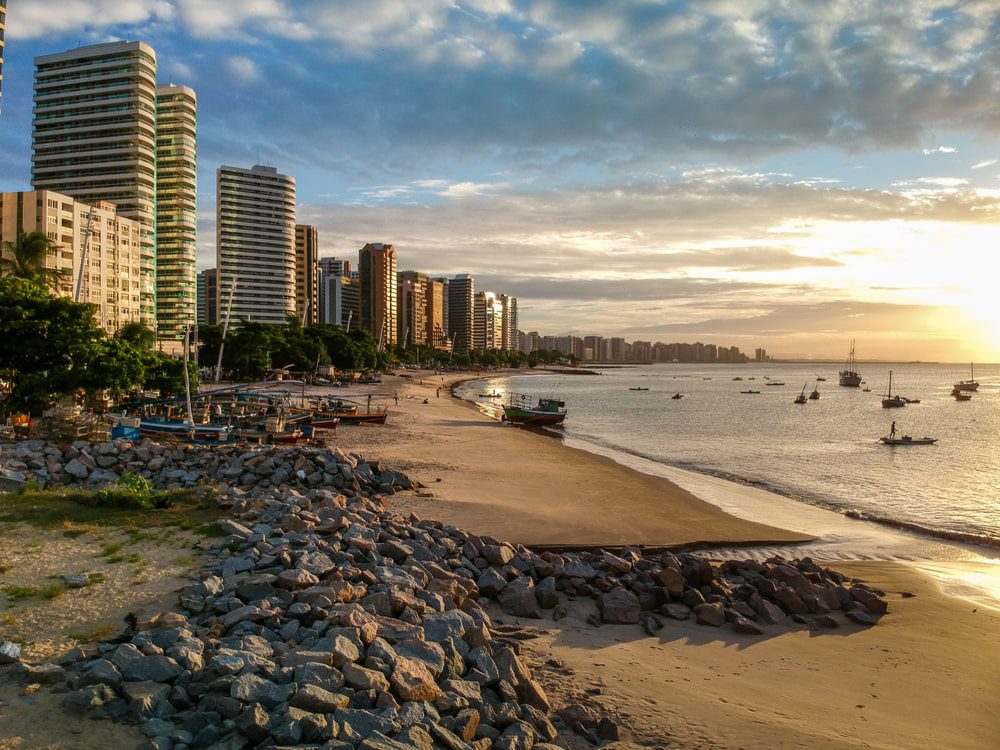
[825, 452]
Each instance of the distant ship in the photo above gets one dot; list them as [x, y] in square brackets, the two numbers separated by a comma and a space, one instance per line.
[968, 385]
[850, 376]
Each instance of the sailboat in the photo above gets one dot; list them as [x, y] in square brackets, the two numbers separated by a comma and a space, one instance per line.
[815, 393]
[850, 376]
[801, 398]
[968, 385]
[890, 401]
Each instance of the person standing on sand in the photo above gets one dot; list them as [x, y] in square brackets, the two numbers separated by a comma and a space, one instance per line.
[438, 393]
[395, 398]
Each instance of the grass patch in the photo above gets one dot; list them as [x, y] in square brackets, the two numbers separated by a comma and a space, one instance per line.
[110, 550]
[8, 619]
[211, 530]
[185, 560]
[74, 510]
[4, 569]
[19, 593]
[135, 536]
[92, 635]
[54, 590]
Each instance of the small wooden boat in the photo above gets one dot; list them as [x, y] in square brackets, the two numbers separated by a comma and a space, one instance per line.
[961, 395]
[677, 396]
[907, 440]
[737, 378]
[821, 379]
[373, 418]
[774, 382]
[528, 410]
[892, 402]
[749, 391]
[182, 429]
[815, 394]
[801, 398]
[638, 389]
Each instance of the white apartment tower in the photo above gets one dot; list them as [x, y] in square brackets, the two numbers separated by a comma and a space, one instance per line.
[94, 138]
[255, 244]
[176, 223]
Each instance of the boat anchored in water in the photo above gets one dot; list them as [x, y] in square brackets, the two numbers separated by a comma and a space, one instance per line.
[907, 440]
[801, 398]
[961, 395]
[850, 376]
[968, 385]
[892, 402]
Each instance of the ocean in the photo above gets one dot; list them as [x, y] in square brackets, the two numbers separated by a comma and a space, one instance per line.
[825, 452]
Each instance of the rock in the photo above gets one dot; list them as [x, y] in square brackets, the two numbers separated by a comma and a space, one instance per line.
[147, 699]
[861, 617]
[136, 667]
[361, 678]
[743, 625]
[412, 681]
[76, 469]
[75, 580]
[440, 626]
[676, 611]
[296, 579]
[518, 599]
[498, 554]
[766, 611]
[89, 698]
[318, 700]
[670, 579]
[710, 614]
[619, 606]
[491, 582]
[10, 652]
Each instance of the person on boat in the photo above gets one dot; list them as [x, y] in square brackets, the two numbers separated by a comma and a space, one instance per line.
[892, 430]
[217, 411]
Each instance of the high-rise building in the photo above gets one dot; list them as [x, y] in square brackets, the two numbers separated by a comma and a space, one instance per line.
[379, 308]
[327, 268]
[510, 335]
[412, 302]
[3, 23]
[488, 321]
[176, 203]
[108, 273]
[94, 138]
[208, 297]
[341, 303]
[255, 244]
[461, 324]
[436, 314]
[307, 273]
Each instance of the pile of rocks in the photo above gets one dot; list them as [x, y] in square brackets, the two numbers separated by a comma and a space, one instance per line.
[326, 620]
[95, 465]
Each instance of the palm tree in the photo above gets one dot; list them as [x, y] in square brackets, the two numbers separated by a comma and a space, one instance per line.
[24, 258]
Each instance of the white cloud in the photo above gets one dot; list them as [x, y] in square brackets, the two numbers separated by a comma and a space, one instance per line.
[939, 150]
[982, 164]
[33, 19]
[243, 69]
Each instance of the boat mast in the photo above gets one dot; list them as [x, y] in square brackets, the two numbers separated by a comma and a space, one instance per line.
[225, 330]
[187, 380]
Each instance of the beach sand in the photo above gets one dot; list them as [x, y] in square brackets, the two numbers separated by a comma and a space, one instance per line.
[928, 675]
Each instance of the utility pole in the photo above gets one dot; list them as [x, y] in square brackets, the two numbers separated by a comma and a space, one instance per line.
[83, 256]
[225, 330]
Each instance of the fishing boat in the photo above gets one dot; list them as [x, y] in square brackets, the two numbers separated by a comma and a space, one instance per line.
[638, 389]
[528, 410]
[907, 440]
[820, 379]
[850, 376]
[961, 395]
[968, 385]
[892, 402]
[749, 391]
[814, 396]
[801, 398]
[774, 382]
[159, 427]
[372, 418]
[677, 396]
[737, 378]
[495, 394]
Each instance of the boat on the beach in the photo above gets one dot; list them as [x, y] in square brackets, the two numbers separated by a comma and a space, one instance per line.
[968, 385]
[892, 402]
[801, 398]
[907, 440]
[158, 427]
[524, 409]
[850, 376]
[356, 418]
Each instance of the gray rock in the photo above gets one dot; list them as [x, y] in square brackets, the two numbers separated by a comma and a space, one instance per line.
[619, 606]
[10, 652]
[710, 614]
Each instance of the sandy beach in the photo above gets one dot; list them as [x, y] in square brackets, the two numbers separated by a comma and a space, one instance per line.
[925, 676]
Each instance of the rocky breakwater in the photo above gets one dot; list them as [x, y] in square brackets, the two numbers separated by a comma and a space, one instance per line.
[326, 620]
[168, 466]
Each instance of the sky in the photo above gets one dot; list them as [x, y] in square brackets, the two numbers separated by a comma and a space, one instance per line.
[787, 174]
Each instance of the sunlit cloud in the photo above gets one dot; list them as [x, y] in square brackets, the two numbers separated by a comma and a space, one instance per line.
[940, 150]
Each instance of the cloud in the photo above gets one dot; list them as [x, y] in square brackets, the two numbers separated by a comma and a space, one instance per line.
[34, 19]
[939, 150]
[243, 69]
[983, 164]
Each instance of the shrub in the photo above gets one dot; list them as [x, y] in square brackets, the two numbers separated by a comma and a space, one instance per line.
[130, 491]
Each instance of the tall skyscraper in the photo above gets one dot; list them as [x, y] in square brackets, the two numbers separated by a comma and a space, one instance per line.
[208, 297]
[461, 291]
[94, 138]
[3, 23]
[176, 221]
[255, 244]
[488, 321]
[412, 300]
[108, 275]
[379, 310]
[436, 317]
[341, 303]
[510, 335]
[307, 273]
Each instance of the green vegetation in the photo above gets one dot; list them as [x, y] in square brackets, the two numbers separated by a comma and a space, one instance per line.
[130, 491]
[92, 635]
[17, 593]
[24, 258]
[75, 511]
[52, 347]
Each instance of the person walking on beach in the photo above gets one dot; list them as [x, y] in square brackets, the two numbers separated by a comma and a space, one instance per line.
[438, 393]
[369, 403]
[395, 398]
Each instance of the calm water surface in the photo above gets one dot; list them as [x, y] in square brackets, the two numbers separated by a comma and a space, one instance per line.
[824, 452]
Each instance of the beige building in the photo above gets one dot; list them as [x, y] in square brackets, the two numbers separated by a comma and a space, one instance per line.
[436, 315]
[379, 302]
[412, 302]
[255, 244]
[94, 138]
[487, 316]
[112, 269]
[307, 273]
[176, 222]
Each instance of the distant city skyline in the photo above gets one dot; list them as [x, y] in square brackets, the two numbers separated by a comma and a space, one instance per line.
[789, 177]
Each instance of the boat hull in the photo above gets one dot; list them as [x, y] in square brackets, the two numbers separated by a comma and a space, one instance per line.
[180, 429]
[850, 379]
[967, 385]
[905, 440]
[892, 403]
[532, 416]
[362, 418]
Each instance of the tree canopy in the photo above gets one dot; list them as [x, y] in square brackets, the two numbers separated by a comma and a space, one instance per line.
[24, 258]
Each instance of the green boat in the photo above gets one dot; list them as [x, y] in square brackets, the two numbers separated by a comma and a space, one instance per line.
[528, 410]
